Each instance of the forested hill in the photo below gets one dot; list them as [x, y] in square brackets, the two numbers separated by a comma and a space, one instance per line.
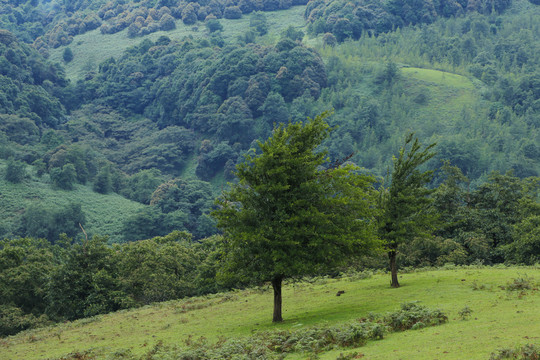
[191, 86]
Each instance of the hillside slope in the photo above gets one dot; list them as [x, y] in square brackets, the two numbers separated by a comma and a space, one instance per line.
[500, 318]
[104, 213]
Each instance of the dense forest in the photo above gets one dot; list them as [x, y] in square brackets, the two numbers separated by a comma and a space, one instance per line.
[164, 125]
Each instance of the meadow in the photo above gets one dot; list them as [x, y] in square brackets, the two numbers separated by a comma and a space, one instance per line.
[502, 314]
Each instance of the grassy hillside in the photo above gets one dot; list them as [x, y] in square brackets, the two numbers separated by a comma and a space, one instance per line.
[91, 48]
[500, 318]
[104, 213]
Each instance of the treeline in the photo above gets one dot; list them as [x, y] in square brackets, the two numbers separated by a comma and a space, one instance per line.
[341, 20]
[51, 24]
[42, 283]
[497, 222]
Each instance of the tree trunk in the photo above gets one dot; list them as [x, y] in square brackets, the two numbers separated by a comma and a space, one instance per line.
[393, 268]
[276, 284]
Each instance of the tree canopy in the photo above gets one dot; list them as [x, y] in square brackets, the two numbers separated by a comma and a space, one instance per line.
[288, 216]
[405, 202]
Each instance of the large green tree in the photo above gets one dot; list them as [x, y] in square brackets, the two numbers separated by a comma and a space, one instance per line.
[405, 202]
[288, 216]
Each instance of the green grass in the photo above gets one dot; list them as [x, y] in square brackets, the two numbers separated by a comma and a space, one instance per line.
[104, 213]
[437, 77]
[92, 48]
[499, 318]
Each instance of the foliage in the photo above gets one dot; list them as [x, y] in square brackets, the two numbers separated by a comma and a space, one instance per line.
[28, 86]
[15, 171]
[286, 217]
[404, 204]
[25, 265]
[14, 320]
[525, 352]
[85, 284]
[346, 19]
[150, 221]
[414, 316]
[39, 221]
[158, 269]
[192, 197]
[67, 55]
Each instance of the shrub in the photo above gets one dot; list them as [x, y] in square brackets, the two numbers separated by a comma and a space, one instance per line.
[214, 25]
[414, 316]
[232, 12]
[15, 171]
[13, 320]
[465, 313]
[519, 284]
[525, 352]
[67, 55]
[277, 343]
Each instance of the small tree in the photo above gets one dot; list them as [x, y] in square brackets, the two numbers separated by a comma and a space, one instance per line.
[67, 55]
[287, 217]
[64, 177]
[406, 201]
[213, 25]
[15, 171]
[103, 181]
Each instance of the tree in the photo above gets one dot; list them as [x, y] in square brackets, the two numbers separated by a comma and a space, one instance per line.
[86, 283]
[15, 171]
[67, 55]
[213, 25]
[405, 203]
[167, 23]
[64, 177]
[158, 269]
[103, 181]
[287, 217]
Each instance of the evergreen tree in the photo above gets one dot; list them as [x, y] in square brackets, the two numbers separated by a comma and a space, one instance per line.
[287, 217]
[406, 201]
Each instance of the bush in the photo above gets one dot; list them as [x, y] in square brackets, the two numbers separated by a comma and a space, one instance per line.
[214, 25]
[167, 23]
[13, 320]
[232, 12]
[65, 177]
[67, 55]
[275, 344]
[520, 284]
[414, 316]
[15, 171]
[525, 352]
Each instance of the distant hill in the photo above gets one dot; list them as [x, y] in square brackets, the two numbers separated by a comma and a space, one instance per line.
[132, 112]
